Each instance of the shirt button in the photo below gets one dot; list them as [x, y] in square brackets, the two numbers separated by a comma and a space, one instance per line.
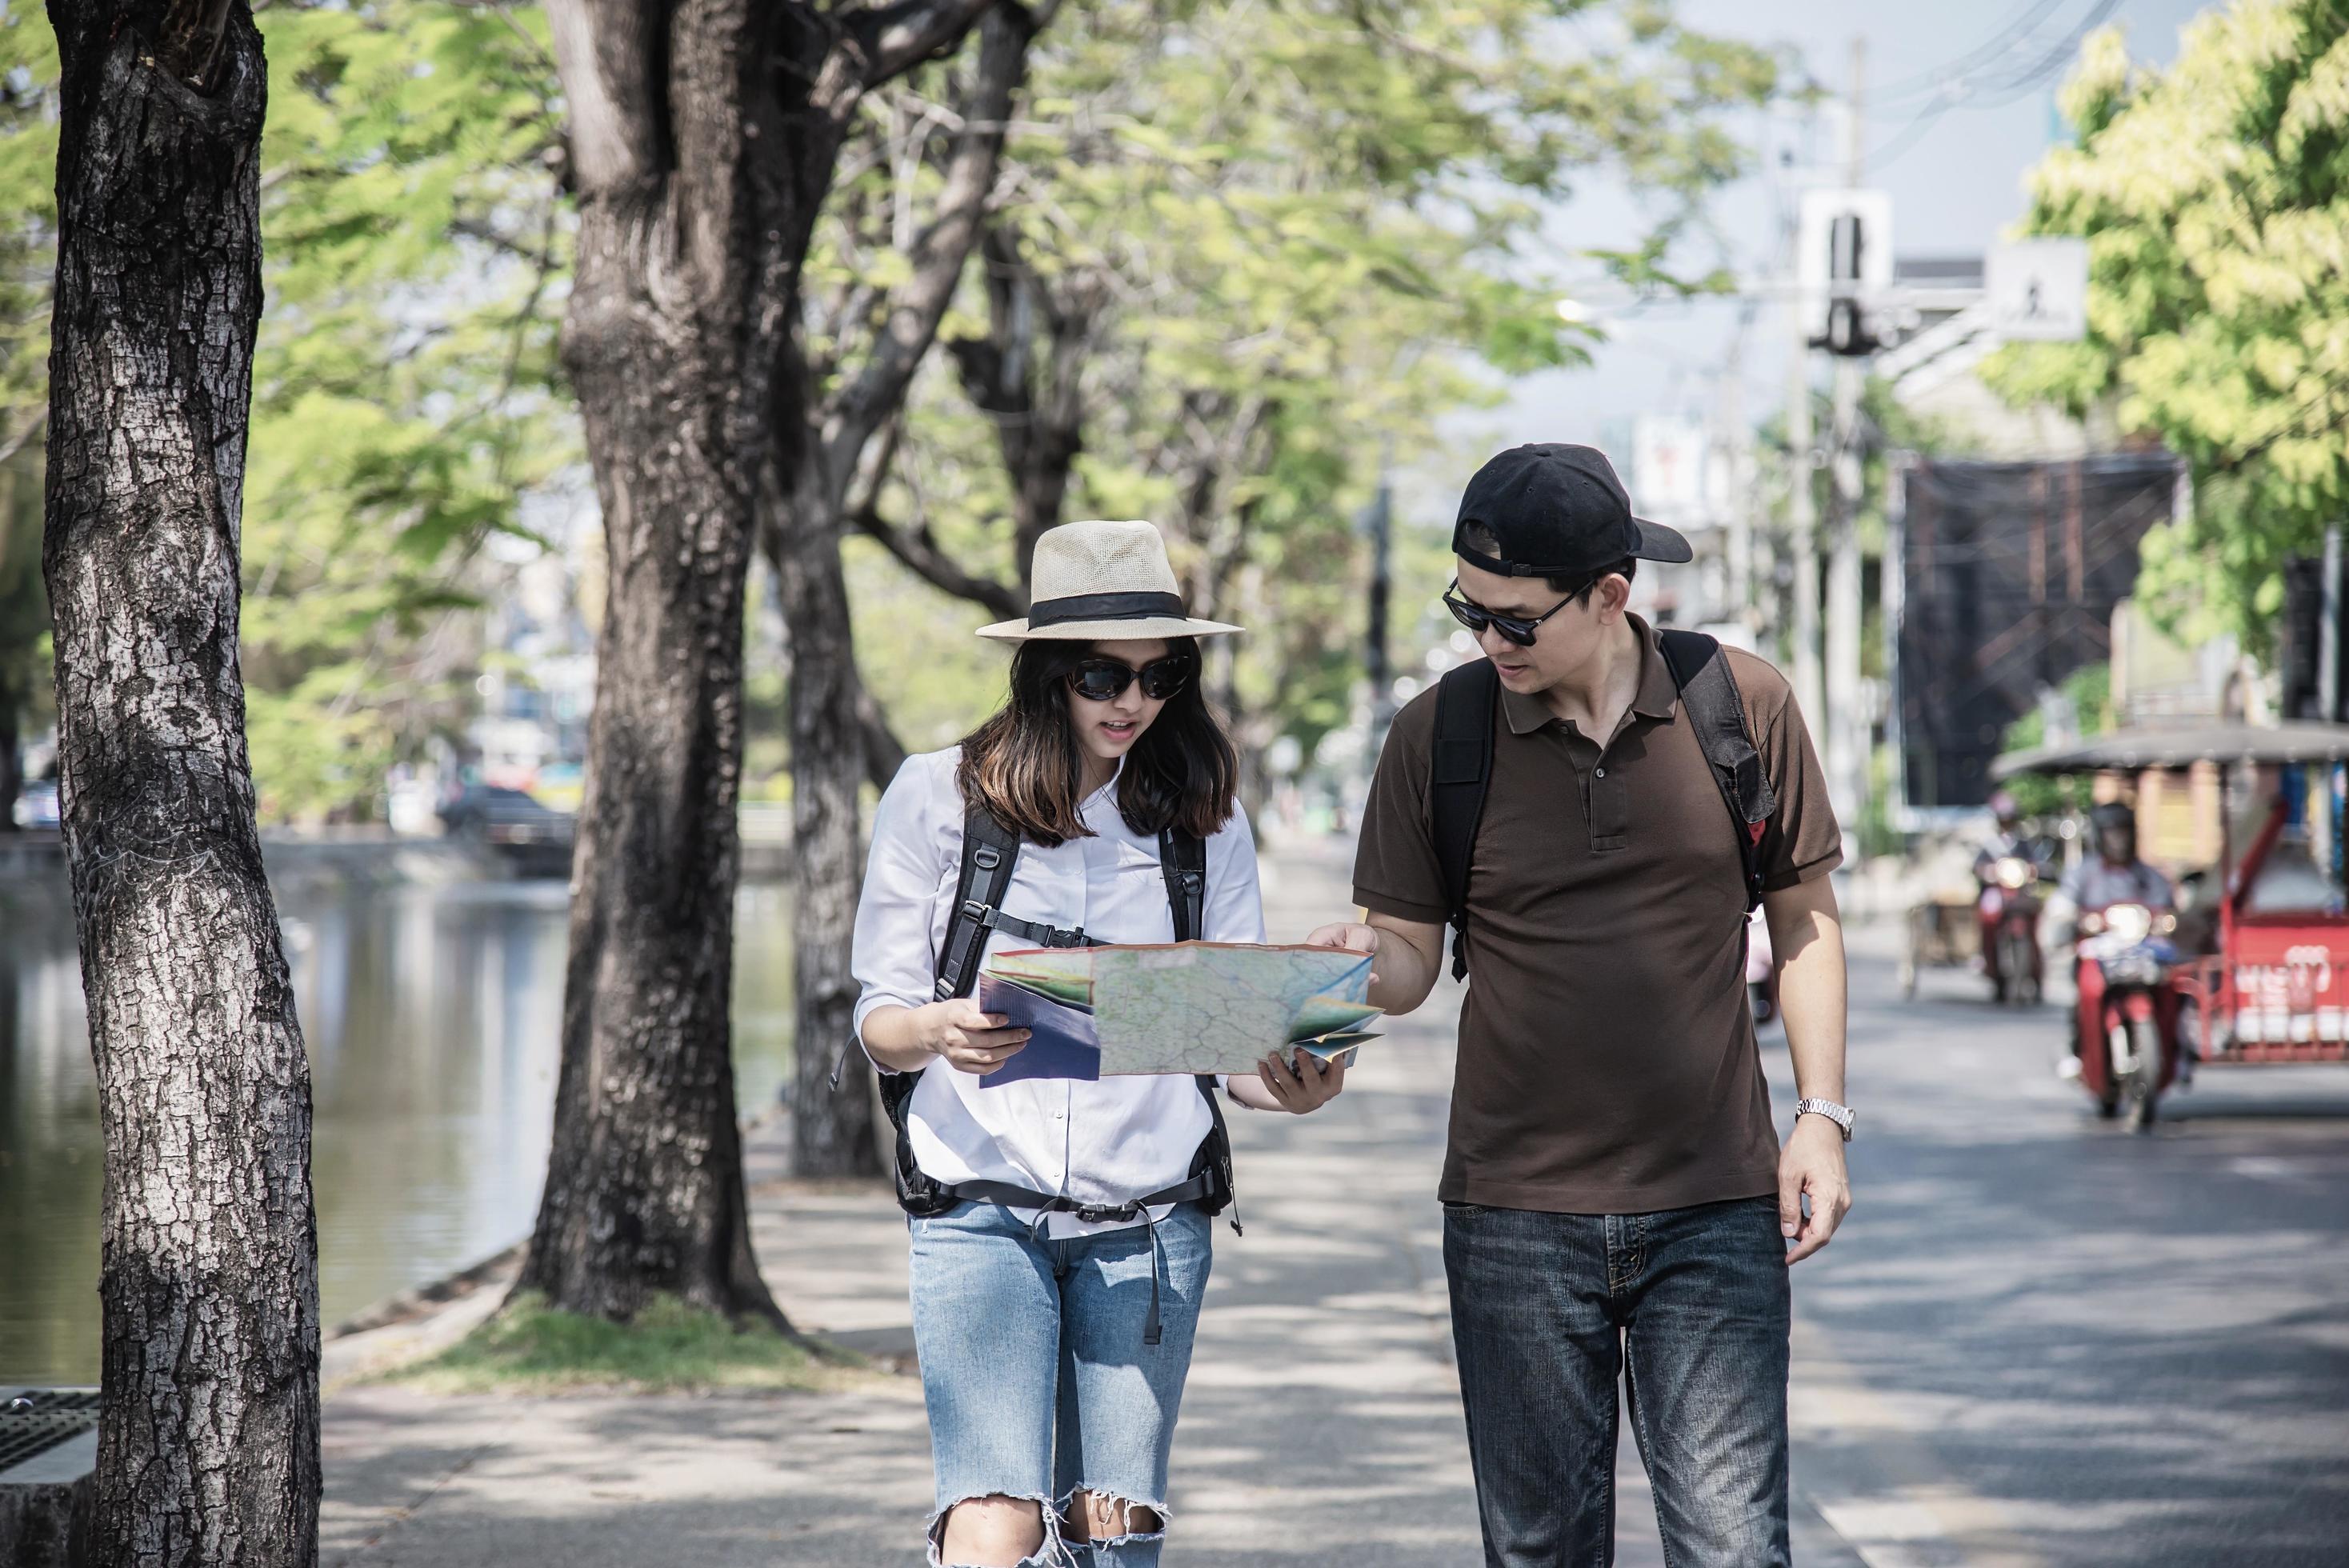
[1602, 773]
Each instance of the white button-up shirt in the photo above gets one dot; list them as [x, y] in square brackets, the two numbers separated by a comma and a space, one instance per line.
[1106, 1142]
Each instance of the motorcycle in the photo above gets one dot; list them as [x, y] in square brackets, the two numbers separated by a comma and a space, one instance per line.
[2127, 1035]
[2007, 915]
[1760, 969]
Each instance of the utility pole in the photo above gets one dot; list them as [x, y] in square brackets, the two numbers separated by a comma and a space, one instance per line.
[1848, 728]
[1801, 521]
[1730, 410]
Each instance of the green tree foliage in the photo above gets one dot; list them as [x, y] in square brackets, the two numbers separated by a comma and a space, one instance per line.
[28, 151]
[1241, 252]
[403, 388]
[403, 404]
[2215, 199]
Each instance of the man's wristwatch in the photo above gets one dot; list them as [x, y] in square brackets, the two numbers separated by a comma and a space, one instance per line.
[1838, 1114]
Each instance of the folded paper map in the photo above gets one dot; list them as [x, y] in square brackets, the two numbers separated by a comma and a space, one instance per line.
[1187, 1007]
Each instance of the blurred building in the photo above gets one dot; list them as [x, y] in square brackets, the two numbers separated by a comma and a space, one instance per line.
[1676, 480]
[537, 683]
[2005, 579]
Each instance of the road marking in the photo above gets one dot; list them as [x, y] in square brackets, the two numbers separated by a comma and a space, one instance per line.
[1894, 1500]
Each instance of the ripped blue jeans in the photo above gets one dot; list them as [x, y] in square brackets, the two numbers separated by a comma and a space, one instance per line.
[1036, 1373]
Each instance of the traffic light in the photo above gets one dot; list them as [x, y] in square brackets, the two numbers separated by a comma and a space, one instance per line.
[1848, 331]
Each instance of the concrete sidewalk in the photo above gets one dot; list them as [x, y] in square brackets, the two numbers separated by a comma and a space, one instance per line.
[1321, 1426]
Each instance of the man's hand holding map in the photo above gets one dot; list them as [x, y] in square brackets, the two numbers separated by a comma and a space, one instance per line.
[1185, 1008]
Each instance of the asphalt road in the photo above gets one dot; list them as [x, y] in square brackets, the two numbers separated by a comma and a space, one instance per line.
[2040, 1341]
[2044, 1339]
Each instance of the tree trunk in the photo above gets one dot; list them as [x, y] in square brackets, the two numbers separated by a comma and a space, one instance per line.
[1026, 376]
[12, 767]
[644, 1188]
[208, 1445]
[824, 445]
[704, 136]
[832, 1127]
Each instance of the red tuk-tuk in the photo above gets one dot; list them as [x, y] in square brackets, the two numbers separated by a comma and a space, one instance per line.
[2264, 976]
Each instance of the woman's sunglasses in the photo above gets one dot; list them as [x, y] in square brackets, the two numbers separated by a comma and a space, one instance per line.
[1516, 628]
[1105, 680]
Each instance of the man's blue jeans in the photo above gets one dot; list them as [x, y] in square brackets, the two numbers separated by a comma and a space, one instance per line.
[1549, 1310]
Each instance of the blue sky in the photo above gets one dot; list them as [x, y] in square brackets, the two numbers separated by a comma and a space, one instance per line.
[1955, 179]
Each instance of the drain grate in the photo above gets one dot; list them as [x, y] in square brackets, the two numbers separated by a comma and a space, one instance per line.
[34, 1421]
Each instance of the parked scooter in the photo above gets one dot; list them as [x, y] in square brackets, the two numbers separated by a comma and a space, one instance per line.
[2127, 1034]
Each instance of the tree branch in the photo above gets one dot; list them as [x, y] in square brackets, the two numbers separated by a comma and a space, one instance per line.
[884, 752]
[605, 52]
[1031, 391]
[911, 321]
[26, 437]
[912, 545]
[540, 256]
[894, 39]
[917, 549]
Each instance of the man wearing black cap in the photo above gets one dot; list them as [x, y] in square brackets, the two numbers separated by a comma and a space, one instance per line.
[1616, 1202]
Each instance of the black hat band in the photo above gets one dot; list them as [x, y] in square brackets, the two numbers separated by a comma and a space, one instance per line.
[1105, 607]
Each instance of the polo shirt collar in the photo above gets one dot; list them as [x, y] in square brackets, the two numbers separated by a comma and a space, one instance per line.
[1656, 698]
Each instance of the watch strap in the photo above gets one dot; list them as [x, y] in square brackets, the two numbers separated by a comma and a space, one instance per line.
[1839, 1114]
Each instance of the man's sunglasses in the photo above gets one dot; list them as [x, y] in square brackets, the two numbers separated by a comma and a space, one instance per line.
[1516, 628]
[1105, 680]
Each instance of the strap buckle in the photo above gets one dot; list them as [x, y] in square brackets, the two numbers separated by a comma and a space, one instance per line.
[1094, 1213]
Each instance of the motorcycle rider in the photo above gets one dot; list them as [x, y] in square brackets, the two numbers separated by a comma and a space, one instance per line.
[2114, 874]
[2111, 874]
[1993, 902]
[2006, 839]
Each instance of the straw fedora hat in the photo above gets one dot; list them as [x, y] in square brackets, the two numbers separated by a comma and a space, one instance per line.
[1102, 581]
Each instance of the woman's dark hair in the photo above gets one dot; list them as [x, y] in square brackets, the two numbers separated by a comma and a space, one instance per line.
[1027, 766]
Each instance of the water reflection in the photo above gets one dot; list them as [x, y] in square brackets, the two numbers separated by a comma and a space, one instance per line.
[432, 1015]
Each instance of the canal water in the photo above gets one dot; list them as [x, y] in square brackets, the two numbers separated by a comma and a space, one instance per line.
[432, 1015]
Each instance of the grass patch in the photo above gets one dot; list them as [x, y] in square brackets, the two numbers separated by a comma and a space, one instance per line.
[669, 1349]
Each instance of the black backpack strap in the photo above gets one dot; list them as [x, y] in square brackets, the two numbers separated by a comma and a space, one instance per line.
[989, 853]
[1460, 767]
[1183, 861]
[1716, 707]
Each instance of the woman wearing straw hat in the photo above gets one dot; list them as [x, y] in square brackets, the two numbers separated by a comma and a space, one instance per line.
[1060, 1228]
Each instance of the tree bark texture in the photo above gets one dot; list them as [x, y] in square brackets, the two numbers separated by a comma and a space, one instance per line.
[643, 1189]
[208, 1448]
[703, 138]
[827, 462]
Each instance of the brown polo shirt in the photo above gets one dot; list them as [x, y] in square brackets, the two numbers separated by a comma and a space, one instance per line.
[1607, 1063]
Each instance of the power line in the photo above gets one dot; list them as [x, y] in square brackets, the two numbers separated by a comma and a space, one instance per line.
[2012, 35]
[2008, 88]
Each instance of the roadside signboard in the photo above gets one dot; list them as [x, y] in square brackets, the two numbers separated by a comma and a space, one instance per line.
[2038, 290]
